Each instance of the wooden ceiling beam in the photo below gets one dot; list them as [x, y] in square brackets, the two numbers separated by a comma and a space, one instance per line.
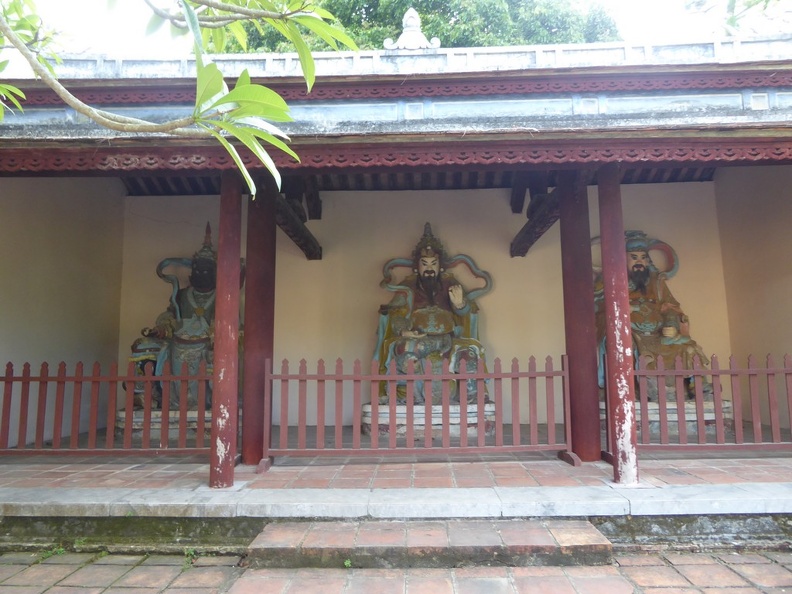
[544, 213]
[295, 228]
[313, 201]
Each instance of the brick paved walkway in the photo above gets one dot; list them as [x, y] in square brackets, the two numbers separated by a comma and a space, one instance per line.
[174, 473]
[667, 573]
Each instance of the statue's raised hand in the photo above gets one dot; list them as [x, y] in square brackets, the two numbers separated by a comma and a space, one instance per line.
[457, 296]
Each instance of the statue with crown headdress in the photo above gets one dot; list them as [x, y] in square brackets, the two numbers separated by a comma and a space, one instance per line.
[660, 329]
[431, 319]
[184, 333]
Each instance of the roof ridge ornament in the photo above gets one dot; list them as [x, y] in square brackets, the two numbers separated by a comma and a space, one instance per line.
[412, 37]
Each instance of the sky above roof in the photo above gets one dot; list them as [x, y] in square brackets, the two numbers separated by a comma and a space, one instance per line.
[120, 31]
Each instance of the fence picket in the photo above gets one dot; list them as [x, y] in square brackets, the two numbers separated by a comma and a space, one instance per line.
[24, 403]
[739, 437]
[567, 424]
[129, 405]
[533, 407]
[772, 397]
[753, 396]
[41, 405]
[320, 406]
[550, 399]
[515, 401]
[662, 399]
[302, 406]
[5, 421]
[339, 405]
[698, 386]
[717, 400]
[445, 397]
[410, 397]
[284, 404]
[111, 406]
[498, 392]
[76, 405]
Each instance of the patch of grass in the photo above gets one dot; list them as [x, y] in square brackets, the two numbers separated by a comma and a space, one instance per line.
[190, 555]
[56, 550]
[348, 563]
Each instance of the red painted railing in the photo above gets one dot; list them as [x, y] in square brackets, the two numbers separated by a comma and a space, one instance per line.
[99, 412]
[355, 413]
[342, 413]
[743, 408]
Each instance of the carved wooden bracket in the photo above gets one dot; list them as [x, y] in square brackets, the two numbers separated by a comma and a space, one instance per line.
[291, 224]
[544, 212]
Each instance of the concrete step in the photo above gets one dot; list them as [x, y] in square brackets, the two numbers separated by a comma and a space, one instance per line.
[429, 543]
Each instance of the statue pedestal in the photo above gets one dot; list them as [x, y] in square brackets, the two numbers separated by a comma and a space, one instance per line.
[691, 416]
[435, 422]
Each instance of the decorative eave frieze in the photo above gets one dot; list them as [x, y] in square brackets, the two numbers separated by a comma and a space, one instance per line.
[673, 151]
[526, 82]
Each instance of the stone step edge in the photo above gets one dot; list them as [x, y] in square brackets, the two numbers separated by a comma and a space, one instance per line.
[432, 544]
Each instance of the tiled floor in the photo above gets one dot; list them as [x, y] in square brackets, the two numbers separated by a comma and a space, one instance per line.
[677, 573]
[343, 474]
[669, 573]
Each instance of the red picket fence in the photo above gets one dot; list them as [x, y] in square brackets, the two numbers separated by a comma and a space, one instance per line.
[357, 413]
[98, 413]
[738, 408]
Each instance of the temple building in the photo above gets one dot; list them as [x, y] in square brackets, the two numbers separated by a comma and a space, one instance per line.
[519, 157]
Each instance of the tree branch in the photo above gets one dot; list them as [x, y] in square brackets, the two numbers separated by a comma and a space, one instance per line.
[235, 13]
[104, 118]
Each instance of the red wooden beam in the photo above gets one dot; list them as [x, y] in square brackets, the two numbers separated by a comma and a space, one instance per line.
[580, 330]
[259, 316]
[618, 332]
[226, 353]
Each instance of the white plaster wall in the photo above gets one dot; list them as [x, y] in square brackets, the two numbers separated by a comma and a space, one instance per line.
[754, 214]
[60, 241]
[155, 228]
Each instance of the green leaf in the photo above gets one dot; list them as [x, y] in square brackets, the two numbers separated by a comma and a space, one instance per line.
[244, 79]
[238, 160]
[269, 104]
[304, 53]
[12, 95]
[276, 142]
[237, 30]
[319, 27]
[218, 39]
[327, 32]
[209, 86]
[155, 24]
[192, 25]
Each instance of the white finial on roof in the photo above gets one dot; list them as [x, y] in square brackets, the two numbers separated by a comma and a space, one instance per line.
[412, 37]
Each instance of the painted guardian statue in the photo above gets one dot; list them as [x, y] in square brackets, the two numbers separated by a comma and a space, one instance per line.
[660, 329]
[431, 319]
[184, 332]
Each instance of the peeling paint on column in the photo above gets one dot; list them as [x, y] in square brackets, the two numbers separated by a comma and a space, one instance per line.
[627, 458]
[222, 417]
[222, 452]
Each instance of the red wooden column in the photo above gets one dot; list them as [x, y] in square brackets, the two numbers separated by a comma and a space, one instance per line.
[226, 341]
[259, 317]
[618, 333]
[581, 336]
